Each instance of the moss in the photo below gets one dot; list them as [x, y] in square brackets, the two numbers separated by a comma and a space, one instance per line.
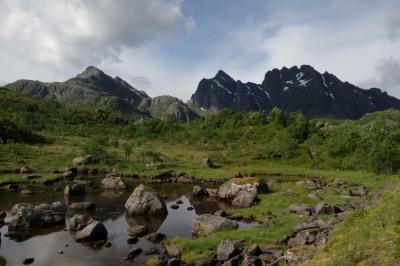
[154, 261]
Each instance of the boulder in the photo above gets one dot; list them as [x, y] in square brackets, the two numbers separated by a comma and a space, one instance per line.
[230, 189]
[199, 192]
[155, 237]
[245, 199]
[207, 224]
[314, 196]
[82, 206]
[207, 163]
[145, 200]
[113, 183]
[25, 170]
[228, 249]
[300, 208]
[28, 216]
[87, 159]
[323, 208]
[95, 231]
[74, 190]
[79, 221]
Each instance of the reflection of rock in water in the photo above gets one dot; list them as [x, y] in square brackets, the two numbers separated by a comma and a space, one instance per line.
[73, 199]
[22, 235]
[152, 222]
[112, 194]
[206, 205]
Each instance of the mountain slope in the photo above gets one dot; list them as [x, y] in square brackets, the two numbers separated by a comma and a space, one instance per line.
[94, 88]
[304, 88]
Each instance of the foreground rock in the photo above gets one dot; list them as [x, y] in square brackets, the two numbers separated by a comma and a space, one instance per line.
[242, 192]
[95, 231]
[87, 159]
[228, 249]
[145, 200]
[74, 190]
[28, 216]
[206, 224]
[113, 182]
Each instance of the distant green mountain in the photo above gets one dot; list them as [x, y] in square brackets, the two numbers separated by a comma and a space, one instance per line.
[94, 88]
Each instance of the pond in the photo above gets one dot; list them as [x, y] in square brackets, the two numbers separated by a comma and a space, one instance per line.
[56, 245]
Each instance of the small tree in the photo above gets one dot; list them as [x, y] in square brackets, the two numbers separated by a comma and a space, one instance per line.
[385, 157]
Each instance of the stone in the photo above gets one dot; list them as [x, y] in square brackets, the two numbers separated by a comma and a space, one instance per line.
[174, 206]
[95, 231]
[314, 196]
[338, 182]
[323, 208]
[113, 182]
[108, 245]
[190, 208]
[228, 249]
[270, 256]
[87, 159]
[230, 189]
[145, 200]
[198, 191]
[134, 253]
[221, 213]
[74, 190]
[68, 175]
[173, 250]
[211, 192]
[26, 192]
[250, 260]
[137, 231]
[207, 224]
[82, 206]
[79, 221]
[235, 261]
[28, 261]
[305, 226]
[151, 251]
[245, 199]
[175, 262]
[3, 215]
[132, 240]
[253, 250]
[155, 237]
[300, 208]
[207, 163]
[179, 202]
[359, 191]
[25, 170]
[12, 187]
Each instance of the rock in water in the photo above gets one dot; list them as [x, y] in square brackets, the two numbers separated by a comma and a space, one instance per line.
[207, 224]
[74, 190]
[198, 191]
[87, 159]
[145, 200]
[92, 232]
[79, 221]
[113, 182]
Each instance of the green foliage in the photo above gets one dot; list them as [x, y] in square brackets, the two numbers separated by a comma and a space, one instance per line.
[127, 148]
[97, 148]
[385, 157]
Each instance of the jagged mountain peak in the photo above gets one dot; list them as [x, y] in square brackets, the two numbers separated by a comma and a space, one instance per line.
[91, 71]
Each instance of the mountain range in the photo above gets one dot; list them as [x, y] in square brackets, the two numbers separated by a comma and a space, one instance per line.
[291, 89]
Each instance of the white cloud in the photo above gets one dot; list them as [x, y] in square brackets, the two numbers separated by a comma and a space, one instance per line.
[67, 33]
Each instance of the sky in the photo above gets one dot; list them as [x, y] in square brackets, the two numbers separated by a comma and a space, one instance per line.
[168, 46]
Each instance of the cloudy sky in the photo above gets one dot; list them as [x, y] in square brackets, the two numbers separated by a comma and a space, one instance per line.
[167, 46]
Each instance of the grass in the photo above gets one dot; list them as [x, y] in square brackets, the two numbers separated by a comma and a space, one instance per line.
[370, 237]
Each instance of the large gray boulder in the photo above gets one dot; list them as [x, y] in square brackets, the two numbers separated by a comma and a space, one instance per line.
[206, 224]
[95, 231]
[242, 191]
[145, 200]
[28, 216]
[113, 183]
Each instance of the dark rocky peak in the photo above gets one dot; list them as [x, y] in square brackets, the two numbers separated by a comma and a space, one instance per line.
[91, 72]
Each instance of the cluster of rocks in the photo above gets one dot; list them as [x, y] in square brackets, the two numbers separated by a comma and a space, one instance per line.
[342, 186]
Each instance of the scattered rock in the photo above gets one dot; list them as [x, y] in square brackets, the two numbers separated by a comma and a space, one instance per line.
[207, 224]
[28, 261]
[134, 253]
[95, 231]
[207, 163]
[300, 208]
[145, 200]
[12, 187]
[213, 193]
[230, 189]
[271, 256]
[79, 221]
[228, 249]
[314, 196]
[82, 206]
[87, 159]
[221, 213]
[173, 250]
[155, 237]
[190, 208]
[108, 245]
[359, 191]
[174, 206]
[68, 175]
[74, 190]
[179, 202]
[113, 182]
[26, 192]
[198, 191]
[338, 182]
[323, 208]
[25, 170]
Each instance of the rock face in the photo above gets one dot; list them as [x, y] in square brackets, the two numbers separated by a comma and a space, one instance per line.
[28, 216]
[74, 190]
[113, 182]
[145, 200]
[95, 231]
[304, 88]
[207, 224]
[87, 159]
